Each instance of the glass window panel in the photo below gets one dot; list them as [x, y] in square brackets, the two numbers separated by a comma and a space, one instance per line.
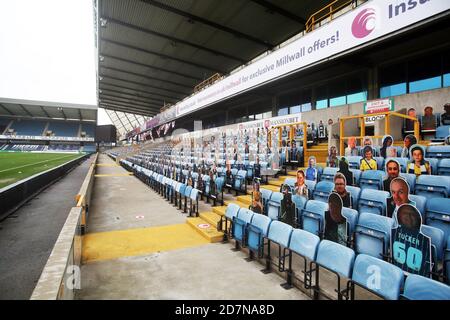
[425, 84]
[322, 104]
[306, 107]
[337, 101]
[357, 97]
[283, 111]
[393, 90]
[447, 80]
[295, 109]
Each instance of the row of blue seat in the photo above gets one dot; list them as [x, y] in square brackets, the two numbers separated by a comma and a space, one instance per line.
[257, 231]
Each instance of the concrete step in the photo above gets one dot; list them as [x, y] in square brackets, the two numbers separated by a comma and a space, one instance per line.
[270, 187]
[211, 217]
[276, 183]
[219, 210]
[205, 229]
[239, 203]
[246, 200]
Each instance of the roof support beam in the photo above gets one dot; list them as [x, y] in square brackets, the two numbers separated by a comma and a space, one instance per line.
[143, 84]
[209, 23]
[131, 106]
[123, 109]
[137, 120]
[166, 98]
[133, 97]
[6, 109]
[26, 110]
[64, 115]
[163, 56]
[147, 77]
[45, 112]
[270, 6]
[173, 39]
[151, 67]
[125, 100]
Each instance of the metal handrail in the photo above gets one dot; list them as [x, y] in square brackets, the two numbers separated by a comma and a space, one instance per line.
[327, 11]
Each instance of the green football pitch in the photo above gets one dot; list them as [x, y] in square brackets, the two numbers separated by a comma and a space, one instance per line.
[15, 166]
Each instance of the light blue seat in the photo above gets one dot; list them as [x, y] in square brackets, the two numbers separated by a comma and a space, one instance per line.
[304, 243]
[438, 214]
[206, 184]
[387, 285]
[311, 185]
[240, 222]
[421, 203]
[336, 258]
[352, 218]
[444, 167]
[356, 176]
[257, 230]
[411, 179]
[239, 180]
[193, 197]
[354, 162]
[274, 205]
[438, 241]
[322, 191]
[380, 162]
[438, 152]
[433, 164]
[328, 174]
[432, 186]
[299, 202]
[373, 201]
[265, 195]
[313, 215]
[372, 179]
[421, 288]
[372, 234]
[355, 192]
[280, 233]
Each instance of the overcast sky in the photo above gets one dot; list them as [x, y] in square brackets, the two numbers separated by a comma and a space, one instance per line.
[47, 51]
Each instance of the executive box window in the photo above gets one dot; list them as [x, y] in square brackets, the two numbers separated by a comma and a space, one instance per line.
[427, 72]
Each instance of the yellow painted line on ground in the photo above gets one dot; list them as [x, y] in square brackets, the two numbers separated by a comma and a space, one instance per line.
[114, 175]
[134, 242]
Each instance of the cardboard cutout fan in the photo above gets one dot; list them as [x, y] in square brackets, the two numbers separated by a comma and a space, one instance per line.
[335, 227]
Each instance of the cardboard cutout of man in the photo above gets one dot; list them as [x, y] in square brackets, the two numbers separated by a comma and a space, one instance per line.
[335, 228]
[311, 171]
[410, 248]
[322, 131]
[392, 169]
[287, 210]
[399, 189]
[257, 205]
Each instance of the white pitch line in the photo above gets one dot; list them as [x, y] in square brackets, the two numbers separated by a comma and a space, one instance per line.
[32, 164]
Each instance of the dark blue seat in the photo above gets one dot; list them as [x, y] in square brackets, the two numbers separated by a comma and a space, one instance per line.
[439, 152]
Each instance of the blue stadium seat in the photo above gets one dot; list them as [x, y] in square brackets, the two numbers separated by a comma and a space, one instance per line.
[280, 233]
[386, 286]
[305, 245]
[193, 205]
[187, 194]
[433, 164]
[230, 213]
[322, 191]
[447, 261]
[411, 179]
[265, 194]
[439, 152]
[372, 235]
[355, 192]
[356, 176]
[29, 127]
[444, 167]
[421, 288]
[328, 174]
[352, 218]
[240, 222]
[311, 185]
[291, 183]
[64, 129]
[354, 162]
[437, 242]
[380, 162]
[313, 215]
[335, 258]
[421, 203]
[373, 201]
[240, 181]
[257, 230]
[274, 205]
[299, 202]
[402, 161]
[432, 186]
[372, 179]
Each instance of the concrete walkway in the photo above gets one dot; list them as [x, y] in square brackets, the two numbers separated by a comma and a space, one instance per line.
[129, 254]
[27, 237]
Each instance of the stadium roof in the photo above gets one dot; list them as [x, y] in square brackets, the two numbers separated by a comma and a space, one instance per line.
[154, 52]
[125, 122]
[35, 109]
